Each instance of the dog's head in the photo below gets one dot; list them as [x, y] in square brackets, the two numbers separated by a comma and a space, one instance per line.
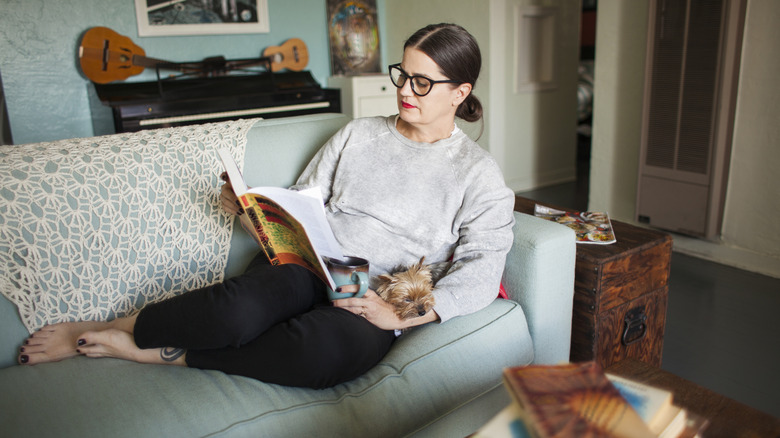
[409, 291]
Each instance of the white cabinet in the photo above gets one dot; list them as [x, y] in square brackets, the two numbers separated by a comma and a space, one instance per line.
[365, 96]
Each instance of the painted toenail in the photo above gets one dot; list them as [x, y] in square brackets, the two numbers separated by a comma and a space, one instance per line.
[82, 342]
[24, 358]
[22, 349]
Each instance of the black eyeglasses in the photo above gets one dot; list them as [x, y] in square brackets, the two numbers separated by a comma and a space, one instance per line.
[420, 84]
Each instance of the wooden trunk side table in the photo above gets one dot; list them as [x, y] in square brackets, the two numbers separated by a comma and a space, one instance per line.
[620, 294]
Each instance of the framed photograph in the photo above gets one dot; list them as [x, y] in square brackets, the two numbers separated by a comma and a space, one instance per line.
[201, 17]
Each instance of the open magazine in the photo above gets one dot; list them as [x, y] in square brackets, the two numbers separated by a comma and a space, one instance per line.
[289, 225]
[590, 226]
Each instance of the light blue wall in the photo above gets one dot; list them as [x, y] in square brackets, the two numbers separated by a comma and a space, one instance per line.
[46, 93]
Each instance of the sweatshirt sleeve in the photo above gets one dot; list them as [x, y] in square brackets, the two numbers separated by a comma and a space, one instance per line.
[485, 237]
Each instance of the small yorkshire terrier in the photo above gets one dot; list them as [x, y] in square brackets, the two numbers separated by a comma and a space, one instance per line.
[410, 290]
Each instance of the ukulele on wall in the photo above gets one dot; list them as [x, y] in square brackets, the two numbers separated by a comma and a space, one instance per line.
[106, 56]
[292, 55]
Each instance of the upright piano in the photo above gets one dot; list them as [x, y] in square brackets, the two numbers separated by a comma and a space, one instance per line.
[133, 106]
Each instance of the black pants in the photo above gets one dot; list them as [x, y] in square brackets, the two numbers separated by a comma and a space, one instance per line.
[272, 323]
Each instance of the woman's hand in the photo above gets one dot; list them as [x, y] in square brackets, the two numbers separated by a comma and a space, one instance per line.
[228, 197]
[377, 311]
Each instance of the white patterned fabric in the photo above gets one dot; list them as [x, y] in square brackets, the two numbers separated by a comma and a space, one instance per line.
[97, 228]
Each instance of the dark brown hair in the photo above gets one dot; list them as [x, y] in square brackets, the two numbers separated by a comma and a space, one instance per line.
[457, 53]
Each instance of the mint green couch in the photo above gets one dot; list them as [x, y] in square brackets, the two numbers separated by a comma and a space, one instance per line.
[438, 380]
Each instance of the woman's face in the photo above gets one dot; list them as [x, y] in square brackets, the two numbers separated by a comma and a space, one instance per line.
[437, 107]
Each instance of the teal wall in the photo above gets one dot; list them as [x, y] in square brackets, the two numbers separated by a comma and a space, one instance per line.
[45, 91]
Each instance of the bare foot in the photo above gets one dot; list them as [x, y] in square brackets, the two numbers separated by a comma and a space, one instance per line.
[120, 344]
[109, 343]
[55, 342]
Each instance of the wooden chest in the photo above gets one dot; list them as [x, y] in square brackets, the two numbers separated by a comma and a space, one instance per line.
[620, 295]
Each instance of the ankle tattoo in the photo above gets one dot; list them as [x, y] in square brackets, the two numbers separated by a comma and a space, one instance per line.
[169, 354]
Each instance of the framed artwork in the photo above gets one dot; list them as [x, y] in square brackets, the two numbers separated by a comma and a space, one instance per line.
[354, 37]
[201, 17]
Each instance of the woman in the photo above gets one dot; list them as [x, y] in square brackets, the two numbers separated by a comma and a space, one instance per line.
[397, 188]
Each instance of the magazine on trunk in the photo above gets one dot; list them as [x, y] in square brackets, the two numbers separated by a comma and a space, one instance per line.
[590, 226]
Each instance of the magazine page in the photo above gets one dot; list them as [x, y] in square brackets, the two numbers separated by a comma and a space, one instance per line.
[590, 227]
[283, 237]
[308, 208]
[290, 226]
[236, 178]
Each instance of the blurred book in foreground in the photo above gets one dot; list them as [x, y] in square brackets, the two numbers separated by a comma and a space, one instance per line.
[580, 400]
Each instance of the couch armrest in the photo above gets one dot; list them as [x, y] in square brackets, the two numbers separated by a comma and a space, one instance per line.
[539, 275]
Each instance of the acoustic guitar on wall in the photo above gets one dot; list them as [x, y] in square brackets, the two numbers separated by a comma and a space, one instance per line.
[106, 56]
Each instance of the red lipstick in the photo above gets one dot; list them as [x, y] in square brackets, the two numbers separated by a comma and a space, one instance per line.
[407, 105]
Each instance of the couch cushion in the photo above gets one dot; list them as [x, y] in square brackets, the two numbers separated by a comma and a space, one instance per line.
[444, 366]
[12, 332]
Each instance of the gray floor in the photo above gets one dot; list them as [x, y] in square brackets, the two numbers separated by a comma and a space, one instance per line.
[722, 331]
[722, 328]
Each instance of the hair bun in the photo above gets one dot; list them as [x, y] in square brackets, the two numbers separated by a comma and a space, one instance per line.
[470, 109]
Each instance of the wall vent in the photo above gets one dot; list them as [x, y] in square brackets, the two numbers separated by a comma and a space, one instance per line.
[690, 92]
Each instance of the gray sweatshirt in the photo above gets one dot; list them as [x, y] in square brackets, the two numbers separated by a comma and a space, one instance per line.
[392, 200]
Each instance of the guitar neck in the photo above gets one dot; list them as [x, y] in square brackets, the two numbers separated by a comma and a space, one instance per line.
[146, 62]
